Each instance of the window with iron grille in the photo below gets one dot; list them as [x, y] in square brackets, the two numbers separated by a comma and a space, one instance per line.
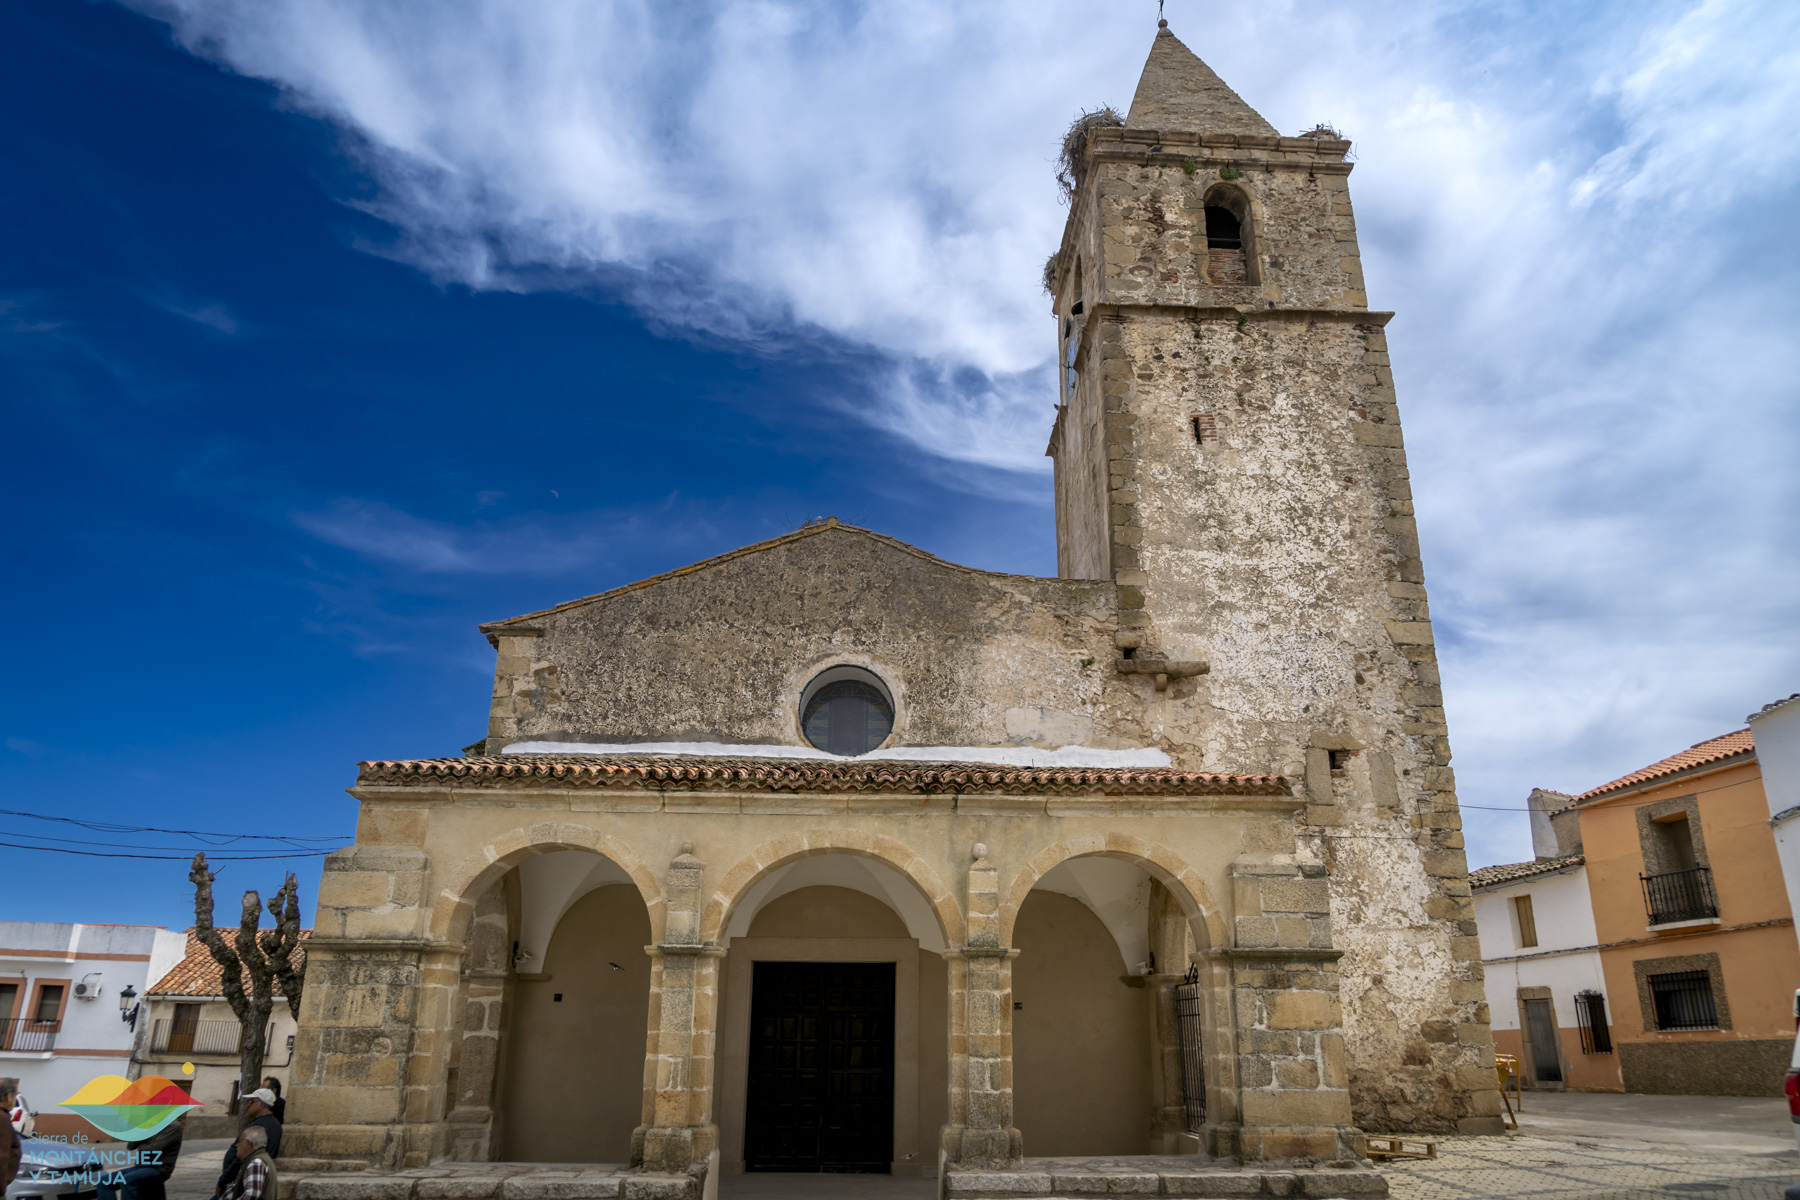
[1590, 1016]
[1684, 1000]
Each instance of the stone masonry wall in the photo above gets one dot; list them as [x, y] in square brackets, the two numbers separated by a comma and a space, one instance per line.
[1261, 523]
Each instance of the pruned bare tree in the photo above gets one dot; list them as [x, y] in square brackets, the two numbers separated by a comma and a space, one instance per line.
[263, 958]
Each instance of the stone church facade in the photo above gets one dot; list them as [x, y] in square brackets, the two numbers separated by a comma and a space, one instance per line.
[827, 853]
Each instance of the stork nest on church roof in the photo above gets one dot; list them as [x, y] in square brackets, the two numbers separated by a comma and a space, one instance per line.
[1074, 145]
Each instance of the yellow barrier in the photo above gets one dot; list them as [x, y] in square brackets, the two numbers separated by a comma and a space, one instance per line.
[1506, 1067]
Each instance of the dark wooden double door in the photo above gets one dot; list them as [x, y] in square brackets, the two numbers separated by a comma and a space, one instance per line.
[821, 1095]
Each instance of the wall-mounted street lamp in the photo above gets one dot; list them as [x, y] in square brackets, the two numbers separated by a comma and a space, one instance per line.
[128, 1006]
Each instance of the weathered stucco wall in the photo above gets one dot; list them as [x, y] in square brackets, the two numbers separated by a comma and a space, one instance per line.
[722, 653]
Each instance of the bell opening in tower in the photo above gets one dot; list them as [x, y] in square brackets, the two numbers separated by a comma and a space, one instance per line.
[1225, 246]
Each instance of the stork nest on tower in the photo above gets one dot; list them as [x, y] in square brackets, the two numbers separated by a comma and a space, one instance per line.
[1069, 164]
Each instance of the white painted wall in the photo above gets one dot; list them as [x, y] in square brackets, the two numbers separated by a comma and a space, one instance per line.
[1119, 894]
[1777, 733]
[548, 885]
[1564, 914]
[93, 1039]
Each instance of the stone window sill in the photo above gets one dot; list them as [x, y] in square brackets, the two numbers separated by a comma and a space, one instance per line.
[1702, 923]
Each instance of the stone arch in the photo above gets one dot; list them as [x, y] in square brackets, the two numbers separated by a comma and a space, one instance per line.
[1160, 862]
[485, 1008]
[737, 882]
[464, 885]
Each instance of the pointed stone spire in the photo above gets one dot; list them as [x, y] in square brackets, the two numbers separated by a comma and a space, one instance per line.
[1178, 91]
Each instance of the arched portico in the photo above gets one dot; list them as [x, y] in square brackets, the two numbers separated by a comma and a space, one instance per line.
[1106, 930]
[743, 870]
[545, 1058]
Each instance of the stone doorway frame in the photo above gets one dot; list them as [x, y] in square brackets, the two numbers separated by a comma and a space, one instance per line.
[732, 1094]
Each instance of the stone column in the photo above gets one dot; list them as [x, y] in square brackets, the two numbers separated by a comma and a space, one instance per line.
[678, 1134]
[476, 1125]
[980, 1133]
[1293, 1086]
[372, 1051]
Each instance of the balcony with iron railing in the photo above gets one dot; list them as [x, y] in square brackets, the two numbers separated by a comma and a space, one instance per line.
[1677, 896]
[27, 1035]
[197, 1037]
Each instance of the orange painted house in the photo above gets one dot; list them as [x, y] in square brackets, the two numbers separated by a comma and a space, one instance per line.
[1692, 922]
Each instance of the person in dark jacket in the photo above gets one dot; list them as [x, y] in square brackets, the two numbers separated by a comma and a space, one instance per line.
[258, 1105]
[10, 1149]
[279, 1108]
[155, 1159]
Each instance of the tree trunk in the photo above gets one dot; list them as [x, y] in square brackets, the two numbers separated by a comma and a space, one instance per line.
[264, 958]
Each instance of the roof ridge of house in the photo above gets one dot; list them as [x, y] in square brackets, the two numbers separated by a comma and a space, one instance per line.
[1497, 873]
[1743, 742]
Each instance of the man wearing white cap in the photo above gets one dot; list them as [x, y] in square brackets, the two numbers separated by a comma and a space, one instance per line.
[256, 1105]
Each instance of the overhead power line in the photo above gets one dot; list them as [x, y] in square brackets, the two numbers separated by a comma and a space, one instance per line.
[189, 851]
[294, 839]
[168, 857]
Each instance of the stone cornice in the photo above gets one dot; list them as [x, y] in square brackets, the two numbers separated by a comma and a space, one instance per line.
[382, 945]
[665, 774]
[1204, 312]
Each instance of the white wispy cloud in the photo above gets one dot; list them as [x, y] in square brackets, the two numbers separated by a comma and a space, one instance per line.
[1580, 213]
[580, 544]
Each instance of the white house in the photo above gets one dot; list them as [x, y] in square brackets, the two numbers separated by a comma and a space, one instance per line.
[69, 997]
[1777, 732]
[1546, 993]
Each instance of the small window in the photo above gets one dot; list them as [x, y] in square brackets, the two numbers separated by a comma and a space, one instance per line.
[49, 1005]
[1223, 231]
[846, 711]
[1684, 1000]
[1590, 1015]
[1527, 922]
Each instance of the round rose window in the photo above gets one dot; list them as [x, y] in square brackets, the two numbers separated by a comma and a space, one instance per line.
[846, 711]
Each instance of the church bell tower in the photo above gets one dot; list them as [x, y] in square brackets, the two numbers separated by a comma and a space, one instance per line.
[1228, 453]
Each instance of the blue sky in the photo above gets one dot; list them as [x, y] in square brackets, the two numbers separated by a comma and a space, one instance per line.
[329, 330]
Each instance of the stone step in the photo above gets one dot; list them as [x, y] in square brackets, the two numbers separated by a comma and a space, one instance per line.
[1352, 1183]
[477, 1184]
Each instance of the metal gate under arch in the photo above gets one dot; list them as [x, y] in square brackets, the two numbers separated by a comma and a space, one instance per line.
[1193, 1061]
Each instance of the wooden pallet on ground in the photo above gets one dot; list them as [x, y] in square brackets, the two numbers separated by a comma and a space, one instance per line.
[1396, 1147]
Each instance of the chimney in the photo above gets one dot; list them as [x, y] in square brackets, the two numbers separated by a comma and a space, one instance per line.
[1553, 836]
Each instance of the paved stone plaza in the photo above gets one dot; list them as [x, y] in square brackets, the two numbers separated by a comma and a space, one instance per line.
[1472, 1167]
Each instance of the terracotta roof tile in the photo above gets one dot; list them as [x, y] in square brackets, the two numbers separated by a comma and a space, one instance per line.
[687, 774]
[198, 975]
[1772, 705]
[1698, 755]
[1513, 872]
